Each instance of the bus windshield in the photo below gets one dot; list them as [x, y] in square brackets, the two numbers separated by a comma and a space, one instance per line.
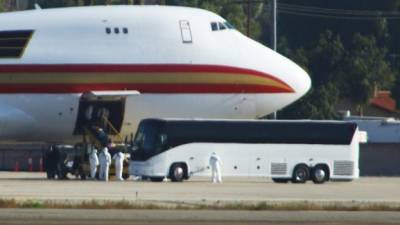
[148, 140]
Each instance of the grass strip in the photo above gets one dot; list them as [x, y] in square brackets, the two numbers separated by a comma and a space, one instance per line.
[217, 205]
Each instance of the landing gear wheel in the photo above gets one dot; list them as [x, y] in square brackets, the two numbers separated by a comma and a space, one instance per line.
[177, 173]
[319, 175]
[301, 174]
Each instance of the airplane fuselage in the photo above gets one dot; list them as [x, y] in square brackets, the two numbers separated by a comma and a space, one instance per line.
[183, 63]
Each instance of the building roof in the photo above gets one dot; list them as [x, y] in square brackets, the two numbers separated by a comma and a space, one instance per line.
[383, 100]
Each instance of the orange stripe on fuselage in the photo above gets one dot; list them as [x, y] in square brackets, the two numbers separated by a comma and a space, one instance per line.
[131, 75]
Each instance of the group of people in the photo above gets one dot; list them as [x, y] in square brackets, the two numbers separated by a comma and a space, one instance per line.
[103, 160]
[53, 162]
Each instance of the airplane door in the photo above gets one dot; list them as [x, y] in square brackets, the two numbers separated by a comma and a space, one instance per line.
[186, 32]
[106, 112]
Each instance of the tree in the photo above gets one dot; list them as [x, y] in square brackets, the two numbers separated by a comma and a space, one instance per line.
[367, 69]
[317, 104]
[327, 56]
[323, 63]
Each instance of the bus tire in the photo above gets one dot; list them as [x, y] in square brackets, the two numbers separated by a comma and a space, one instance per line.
[280, 180]
[177, 172]
[320, 174]
[301, 174]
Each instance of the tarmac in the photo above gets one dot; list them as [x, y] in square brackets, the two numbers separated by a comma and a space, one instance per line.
[24, 186]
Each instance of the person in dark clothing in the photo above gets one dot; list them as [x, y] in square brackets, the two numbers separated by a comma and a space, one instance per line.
[102, 136]
[61, 164]
[55, 159]
[50, 163]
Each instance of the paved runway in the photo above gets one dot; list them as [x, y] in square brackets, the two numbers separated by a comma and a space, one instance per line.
[23, 186]
[204, 217]
[34, 186]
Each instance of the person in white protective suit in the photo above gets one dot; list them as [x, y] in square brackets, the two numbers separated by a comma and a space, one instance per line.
[105, 161]
[215, 164]
[94, 162]
[119, 161]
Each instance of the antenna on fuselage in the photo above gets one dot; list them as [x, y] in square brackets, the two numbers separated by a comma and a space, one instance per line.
[37, 6]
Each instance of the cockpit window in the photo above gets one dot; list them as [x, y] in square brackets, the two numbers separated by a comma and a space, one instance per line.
[221, 26]
[230, 26]
[214, 26]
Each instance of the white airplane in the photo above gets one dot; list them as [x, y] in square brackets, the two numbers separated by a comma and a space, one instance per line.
[136, 62]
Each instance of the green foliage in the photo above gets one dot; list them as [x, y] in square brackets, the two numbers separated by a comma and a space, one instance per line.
[319, 103]
[369, 70]
[323, 63]
[235, 15]
[53, 3]
[68, 3]
[339, 72]
[326, 57]
[352, 56]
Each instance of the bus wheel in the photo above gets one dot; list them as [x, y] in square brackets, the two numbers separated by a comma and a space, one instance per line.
[319, 174]
[177, 172]
[301, 174]
[280, 180]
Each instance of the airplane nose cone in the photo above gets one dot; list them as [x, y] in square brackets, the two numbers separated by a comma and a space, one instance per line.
[302, 81]
[293, 75]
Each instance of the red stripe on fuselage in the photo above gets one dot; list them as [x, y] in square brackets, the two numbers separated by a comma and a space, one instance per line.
[143, 88]
[93, 69]
[126, 68]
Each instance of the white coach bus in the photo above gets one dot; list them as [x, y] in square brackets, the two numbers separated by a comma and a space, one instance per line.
[283, 150]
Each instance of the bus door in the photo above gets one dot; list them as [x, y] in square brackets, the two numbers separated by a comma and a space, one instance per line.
[101, 110]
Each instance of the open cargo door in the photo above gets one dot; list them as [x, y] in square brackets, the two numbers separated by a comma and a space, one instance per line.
[103, 109]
